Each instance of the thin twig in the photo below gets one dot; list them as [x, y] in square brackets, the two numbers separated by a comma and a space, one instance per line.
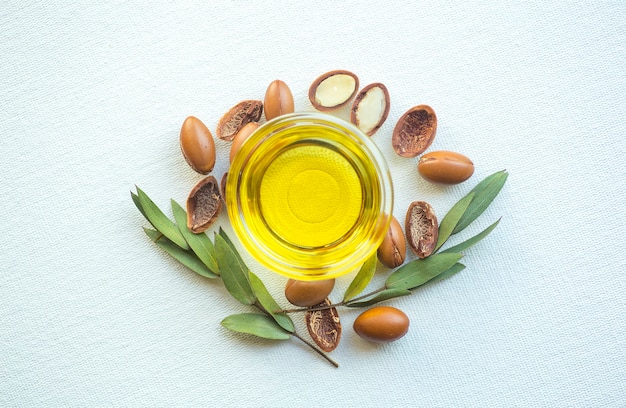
[318, 351]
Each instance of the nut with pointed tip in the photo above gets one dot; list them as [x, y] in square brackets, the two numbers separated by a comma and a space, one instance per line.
[392, 251]
[237, 117]
[445, 167]
[241, 137]
[278, 100]
[197, 145]
[415, 131]
[308, 293]
[203, 205]
[422, 228]
[381, 324]
[333, 90]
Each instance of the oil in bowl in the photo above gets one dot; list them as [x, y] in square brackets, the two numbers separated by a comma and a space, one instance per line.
[309, 196]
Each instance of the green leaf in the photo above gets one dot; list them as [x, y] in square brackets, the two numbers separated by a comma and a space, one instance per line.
[484, 194]
[472, 241]
[381, 296]
[232, 246]
[420, 271]
[160, 221]
[362, 279]
[456, 268]
[200, 243]
[257, 324]
[234, 274]
[269, 304]
[138, 205]
[186, 258]
[451, 219]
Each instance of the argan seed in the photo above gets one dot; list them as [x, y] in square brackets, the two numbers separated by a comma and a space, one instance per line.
[445, 167]
[381, 324]
[203, 205]
[392, 251]
[278, 100]
[415, 131]
[324, 326]
[333, 89]
[370, 108]
[422, 228]
[197, 145]
[237, 117]
[308, 293]
[241, 137]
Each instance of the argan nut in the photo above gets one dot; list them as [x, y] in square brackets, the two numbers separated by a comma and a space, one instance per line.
[333, 89]
[241, 137]
[278, 100]
[197, 145]
[324, 326]
[422, 228]
[381, 324]
[308, 293]
[445, 167]
[415, 131]
[237, 117]
[370, 108]
[392, 251]
[223, 186]
[203, 205]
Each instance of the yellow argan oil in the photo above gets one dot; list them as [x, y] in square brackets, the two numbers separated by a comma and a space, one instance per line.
[309, 196]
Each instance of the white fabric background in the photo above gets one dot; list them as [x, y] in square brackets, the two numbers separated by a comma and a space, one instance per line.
[91, 102]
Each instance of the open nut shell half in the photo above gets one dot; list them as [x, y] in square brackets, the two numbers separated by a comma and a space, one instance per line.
[370, 108]
[324, 326]
[333, 90]
[203, 205]
[237, 117]
[415, 131]
[422, 228]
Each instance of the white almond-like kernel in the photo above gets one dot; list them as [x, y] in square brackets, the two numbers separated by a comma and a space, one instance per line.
[370, 108]
[333, 89]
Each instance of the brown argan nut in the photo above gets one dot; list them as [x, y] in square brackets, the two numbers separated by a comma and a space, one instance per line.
[415, 131]
[223, 186]
[197, 145]
[422, 228]
[241, 137]
[203, 205]
[278, 100]
[324, 326]
[308, 293]
[445, 167]
[370, 108]
[237, 117]
[392, 251]
[381, 324]
[333, 89]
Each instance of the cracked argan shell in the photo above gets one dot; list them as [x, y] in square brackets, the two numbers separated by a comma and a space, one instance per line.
[203, 205]
[324, 326]
[237, 117]
[278, 100]
[197, 145]
[415, 131]
[422, 228]
[223, 186]
[392, 251]
[370, 108]
[333, 89]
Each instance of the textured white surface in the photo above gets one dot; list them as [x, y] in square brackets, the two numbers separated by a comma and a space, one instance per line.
[91, 102]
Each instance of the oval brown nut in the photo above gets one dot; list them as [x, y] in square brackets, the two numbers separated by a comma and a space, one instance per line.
[381, 324]
[445, 167]
[324, 326]
[308, 293]
[237, 117]
[278, 100]
[415, 131]
[333, 89]
[241, 137]
[370, 108]
[392, 251]
[422, 228]
[203, 205]
[197, 145]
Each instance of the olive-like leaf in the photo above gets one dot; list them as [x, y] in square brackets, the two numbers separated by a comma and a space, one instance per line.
[362, 278]
[456, 268]
[138, 205]
[484, 194]
[160, 221]
[256, 324]
[234, 274]
[381, 296]
[473, 240]
[446, 226]
[230, 244]
[268, 303]
[187, 258]
[200, 243]
[420, 271]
